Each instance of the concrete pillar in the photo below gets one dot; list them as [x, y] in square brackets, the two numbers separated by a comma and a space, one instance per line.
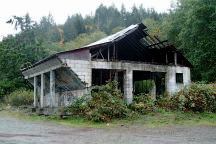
[186, 76]
[42, 90]
[52, 89]
[170, 80]
[128, 86]
[166, 58]
[175, 58]
[153, 90]
[35, 91]
[116, 75]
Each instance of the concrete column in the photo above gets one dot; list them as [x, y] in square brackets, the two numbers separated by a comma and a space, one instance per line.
[35, 91]
[116, 75]
[175, 58]
[128, 86]
[42, 90]
[153, 90]
[166, 58]
[170, 80]
[186, 76]
[52, 89]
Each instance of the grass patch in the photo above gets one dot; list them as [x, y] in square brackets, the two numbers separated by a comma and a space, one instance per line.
[170, 118]
[175, 118]
[69, 121]
[156, 119]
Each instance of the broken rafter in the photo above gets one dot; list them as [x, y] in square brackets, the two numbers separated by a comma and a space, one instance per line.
[157, 43]
[154, 41]
[101, 54]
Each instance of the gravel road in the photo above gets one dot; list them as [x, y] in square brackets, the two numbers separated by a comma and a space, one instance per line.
[15, 131]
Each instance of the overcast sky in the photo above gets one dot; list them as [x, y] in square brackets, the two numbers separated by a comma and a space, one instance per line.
[60, 9]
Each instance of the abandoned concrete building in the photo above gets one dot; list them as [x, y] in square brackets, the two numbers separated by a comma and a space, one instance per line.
[127, 56]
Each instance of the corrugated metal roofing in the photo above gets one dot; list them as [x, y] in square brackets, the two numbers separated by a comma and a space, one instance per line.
[113, 37]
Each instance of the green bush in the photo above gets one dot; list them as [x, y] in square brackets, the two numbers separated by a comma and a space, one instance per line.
[164, 101]
[143, 103]
[197, 98]
[20, 97]
[79, 107]
[106, 103]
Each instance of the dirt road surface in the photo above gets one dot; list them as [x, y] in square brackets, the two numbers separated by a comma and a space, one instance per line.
[16, 131]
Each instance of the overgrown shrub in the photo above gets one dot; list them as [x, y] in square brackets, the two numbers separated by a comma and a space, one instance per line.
[79, 107]
[164, 101]
[143, 103]
[106, 103]
[20, 97]
[197, 98]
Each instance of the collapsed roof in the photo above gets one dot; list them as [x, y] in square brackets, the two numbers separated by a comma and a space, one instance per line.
[130, 44]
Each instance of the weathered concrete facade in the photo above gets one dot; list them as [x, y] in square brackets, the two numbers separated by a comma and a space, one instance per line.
[171, 85]
[62, 77]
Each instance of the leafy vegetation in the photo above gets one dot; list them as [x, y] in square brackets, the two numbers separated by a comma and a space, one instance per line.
[164, 102]
[24, 48]
[20, 97]
[156, 119]
[84, 39]
[105, 104]
[197, 98]
[143, 86]
[143, 104]
[192, 26]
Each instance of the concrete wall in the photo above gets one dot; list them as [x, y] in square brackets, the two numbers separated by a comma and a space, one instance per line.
[44, 67]
[68, 97]
[129, 67]
[83, 69]
[81, 54]
[80, 64]
[64, 98]
[171, 85]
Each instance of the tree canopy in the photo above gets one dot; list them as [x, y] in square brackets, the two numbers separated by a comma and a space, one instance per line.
[192, 27]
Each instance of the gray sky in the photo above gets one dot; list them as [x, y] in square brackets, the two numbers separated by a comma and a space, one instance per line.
[60, 9]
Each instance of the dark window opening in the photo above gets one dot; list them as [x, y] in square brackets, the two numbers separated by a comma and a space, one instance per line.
[102, 76]
[143, 82]
[170, 58]
[179, 77]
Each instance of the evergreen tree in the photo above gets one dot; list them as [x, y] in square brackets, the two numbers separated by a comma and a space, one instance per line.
[192, 27]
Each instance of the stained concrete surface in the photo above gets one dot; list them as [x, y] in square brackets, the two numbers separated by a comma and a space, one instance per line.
[16, 131]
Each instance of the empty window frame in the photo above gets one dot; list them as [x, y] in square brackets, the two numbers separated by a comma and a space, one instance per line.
[179, 77]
